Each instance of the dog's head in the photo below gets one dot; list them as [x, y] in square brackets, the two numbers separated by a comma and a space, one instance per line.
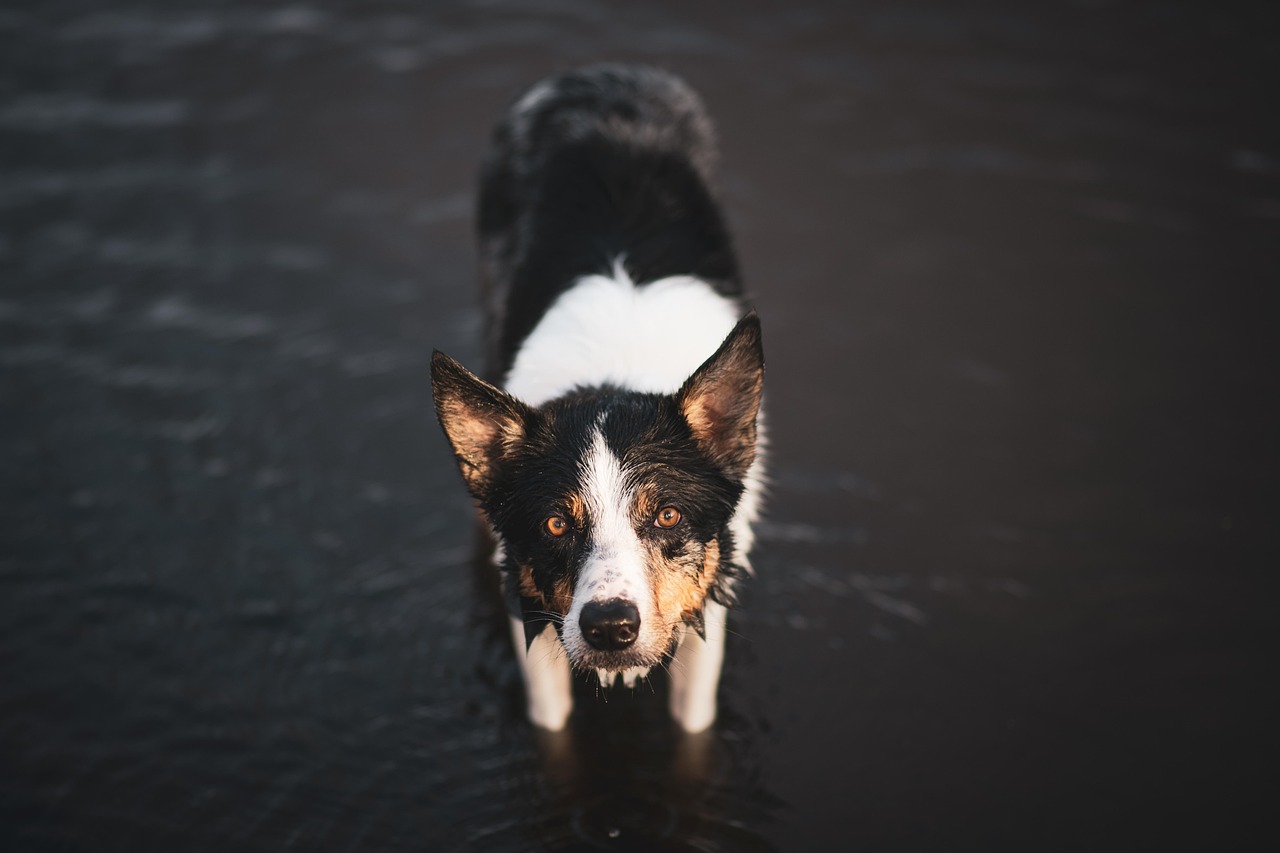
[612, 507]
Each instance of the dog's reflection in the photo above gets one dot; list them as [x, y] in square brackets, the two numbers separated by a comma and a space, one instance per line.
[629, 779]
[622, 775]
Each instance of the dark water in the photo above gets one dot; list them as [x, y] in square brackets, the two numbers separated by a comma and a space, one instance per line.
[1017, 267]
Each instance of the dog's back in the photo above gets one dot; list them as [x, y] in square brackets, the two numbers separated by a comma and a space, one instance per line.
[599, 167]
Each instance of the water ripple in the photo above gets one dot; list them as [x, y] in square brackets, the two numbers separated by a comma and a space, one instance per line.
[973, 159]
[66, 111]
[213, 177]
[178, 30]
[176, 313]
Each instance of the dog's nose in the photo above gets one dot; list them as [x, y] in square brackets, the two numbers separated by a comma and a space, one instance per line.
[610, 625]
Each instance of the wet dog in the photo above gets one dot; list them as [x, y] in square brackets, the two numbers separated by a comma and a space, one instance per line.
[614, 451]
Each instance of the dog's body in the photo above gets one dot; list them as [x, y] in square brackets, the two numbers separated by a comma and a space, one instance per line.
[618, 469]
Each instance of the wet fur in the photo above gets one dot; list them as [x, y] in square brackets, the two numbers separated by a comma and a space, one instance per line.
[628, 383]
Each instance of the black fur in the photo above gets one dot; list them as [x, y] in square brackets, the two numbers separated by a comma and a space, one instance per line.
[613, 161]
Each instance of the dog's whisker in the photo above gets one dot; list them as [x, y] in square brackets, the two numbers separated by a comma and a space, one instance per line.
[545, 616]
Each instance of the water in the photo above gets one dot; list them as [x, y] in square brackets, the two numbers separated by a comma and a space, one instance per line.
[1016, 265]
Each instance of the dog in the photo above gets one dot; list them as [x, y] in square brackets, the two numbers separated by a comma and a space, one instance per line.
[613, 449]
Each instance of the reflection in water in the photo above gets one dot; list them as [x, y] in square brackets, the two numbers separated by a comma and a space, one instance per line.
[638, 788]
[621, 776]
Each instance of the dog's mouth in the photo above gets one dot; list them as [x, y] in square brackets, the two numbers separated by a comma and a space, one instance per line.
[628, 665]
[628, 676]
[590, 659]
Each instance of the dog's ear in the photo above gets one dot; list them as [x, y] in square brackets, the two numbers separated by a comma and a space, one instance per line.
[481, 421]
[721, 399]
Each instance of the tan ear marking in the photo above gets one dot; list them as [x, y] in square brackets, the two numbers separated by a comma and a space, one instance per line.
[482, 422]
[721, 399]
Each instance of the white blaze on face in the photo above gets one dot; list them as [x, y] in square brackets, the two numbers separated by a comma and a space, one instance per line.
[615, 566]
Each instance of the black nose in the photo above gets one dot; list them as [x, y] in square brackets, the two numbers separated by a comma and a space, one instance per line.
[610, 625]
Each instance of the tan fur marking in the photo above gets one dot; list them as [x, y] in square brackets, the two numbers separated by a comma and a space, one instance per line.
[646, 505]
[681, 584]
[469, 435]
[475, 438]
[710, 564]
[561, 596]
[701, 419]
[578, 511]
[527, 587]
[561, 592]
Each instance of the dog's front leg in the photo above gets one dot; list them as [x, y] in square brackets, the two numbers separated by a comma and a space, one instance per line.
[695, 672]
[545, 669]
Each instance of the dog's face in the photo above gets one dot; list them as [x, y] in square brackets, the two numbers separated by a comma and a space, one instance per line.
[612, 507]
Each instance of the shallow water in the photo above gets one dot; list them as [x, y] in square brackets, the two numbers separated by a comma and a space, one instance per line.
[1016, 266]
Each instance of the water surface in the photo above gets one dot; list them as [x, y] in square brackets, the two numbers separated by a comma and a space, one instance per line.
[1016, 265]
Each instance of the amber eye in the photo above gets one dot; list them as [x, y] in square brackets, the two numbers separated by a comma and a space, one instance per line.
[667, 517]
[557, 526]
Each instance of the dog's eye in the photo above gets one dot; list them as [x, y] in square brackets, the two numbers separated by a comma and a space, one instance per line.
[667, 517]
[557, 526]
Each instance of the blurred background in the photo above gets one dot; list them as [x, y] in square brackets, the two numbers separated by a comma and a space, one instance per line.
[1016, 265]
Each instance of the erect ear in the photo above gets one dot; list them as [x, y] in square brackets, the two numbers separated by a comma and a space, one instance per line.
[721, 399]
[481, 421]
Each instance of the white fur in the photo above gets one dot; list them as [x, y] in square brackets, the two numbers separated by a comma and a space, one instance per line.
[615, 567]
[536, 95]
[695, 672]
[748, 510]
[546, 676]
[608, 330]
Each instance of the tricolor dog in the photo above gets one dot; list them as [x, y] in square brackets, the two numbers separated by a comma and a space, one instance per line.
[614, 453]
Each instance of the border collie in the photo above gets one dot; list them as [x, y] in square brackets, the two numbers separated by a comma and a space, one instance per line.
[614, 451]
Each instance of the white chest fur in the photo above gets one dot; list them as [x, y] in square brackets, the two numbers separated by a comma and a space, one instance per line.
[606, 330]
